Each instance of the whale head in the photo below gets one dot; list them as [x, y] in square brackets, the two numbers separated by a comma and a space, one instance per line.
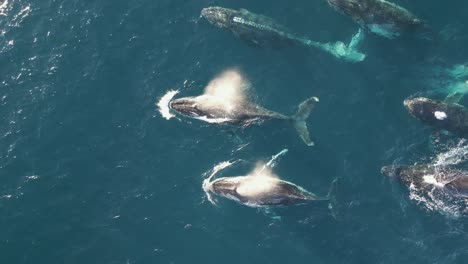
[218, 16]
[226, 187]
[417, 175]
[400, 173]
[187, 106]
[392, 171]
[427, 110]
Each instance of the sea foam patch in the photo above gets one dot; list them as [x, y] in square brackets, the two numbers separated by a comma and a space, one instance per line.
[3, 7]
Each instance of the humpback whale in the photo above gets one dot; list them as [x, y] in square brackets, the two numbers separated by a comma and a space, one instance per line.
[427, 176]
[225, 102]
[380, 17]
[440, 115]
[261, 188]
[264, 31]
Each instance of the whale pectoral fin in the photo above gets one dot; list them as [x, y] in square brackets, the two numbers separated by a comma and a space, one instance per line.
[356, 39]
[454, 98]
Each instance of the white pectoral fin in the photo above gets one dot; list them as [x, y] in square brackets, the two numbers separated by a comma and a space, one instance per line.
[454, 98]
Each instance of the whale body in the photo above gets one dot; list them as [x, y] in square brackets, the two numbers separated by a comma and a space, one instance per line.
[260, 191]
[427, 176]
[439, 115]
[212, 109]
[380, 17]
[264, 31]
[254, 28]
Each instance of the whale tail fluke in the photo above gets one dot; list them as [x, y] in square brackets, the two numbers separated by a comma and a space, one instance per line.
[299, 119]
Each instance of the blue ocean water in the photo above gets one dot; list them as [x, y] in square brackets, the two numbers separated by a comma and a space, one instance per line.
[91, 173]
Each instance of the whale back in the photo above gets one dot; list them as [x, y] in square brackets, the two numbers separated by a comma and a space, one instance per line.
[460, 184]
[440, 115]
[378, 16]
[260, 30]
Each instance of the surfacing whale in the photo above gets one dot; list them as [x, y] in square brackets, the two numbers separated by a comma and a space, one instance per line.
[260, 188]
[427, 176]
[225, 102]
[439, 115]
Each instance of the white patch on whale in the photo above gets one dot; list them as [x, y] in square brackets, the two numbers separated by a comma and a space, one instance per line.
[440, 115]
[213, 120]
[163, 104]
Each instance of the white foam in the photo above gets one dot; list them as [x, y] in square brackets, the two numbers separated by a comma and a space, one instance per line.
[452, 157]
[207, 182]
[440, 115]
[163, 104]
[3, 7]
[430, 179]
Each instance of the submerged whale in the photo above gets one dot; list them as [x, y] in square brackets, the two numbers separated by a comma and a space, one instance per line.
[225, 102]
[380, 17]
[426, 176]
[440, 115]
[261, 188]
[264, 31]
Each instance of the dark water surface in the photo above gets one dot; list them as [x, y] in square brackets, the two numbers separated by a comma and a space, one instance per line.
[91, 173]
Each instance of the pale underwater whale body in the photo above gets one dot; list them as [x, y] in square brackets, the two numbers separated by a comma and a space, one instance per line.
[427, 176]
[380, 17]
[440, 115]
[261, 188]
[264, 31]
[224, 102]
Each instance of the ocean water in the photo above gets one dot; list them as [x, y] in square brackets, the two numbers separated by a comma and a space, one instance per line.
[90, 172]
